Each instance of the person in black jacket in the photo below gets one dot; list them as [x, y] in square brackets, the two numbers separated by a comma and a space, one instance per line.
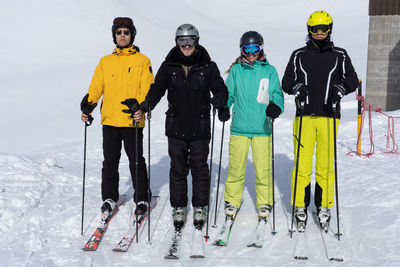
[188, 74]
[319, 75]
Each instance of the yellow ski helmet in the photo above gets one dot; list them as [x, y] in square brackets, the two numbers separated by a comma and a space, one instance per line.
[322, 19]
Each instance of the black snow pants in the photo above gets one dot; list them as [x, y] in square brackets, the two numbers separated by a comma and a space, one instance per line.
[112, 144]
[185, 155]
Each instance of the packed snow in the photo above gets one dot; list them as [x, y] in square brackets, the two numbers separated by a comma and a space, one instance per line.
[49, 52]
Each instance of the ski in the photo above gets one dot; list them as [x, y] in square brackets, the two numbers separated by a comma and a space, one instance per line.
[94, 241]
[175, 248]
[130, 235]
[331, 243]
[224, 234]
[301, 249]
[197, 250]
[258, 238]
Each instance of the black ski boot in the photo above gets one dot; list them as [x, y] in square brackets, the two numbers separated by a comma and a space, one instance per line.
[141, 208]
[107, 208]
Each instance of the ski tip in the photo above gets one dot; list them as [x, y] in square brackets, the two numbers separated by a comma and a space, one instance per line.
[197, 256]
[336, 259]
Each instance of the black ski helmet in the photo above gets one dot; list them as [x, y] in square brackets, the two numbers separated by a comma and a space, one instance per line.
[123, 22]
[251, 37]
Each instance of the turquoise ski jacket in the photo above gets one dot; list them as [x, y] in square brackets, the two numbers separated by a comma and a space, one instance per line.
[251, 88]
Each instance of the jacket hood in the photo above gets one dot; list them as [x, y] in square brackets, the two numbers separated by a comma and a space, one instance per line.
[199, 56]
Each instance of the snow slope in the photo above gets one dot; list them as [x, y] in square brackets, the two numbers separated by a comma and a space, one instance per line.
[44, 77]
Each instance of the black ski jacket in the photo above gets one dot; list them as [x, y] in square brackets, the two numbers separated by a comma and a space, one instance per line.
[319, 69]
[188, 114]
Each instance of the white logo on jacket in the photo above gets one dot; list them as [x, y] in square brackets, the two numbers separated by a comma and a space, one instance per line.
[263, 92]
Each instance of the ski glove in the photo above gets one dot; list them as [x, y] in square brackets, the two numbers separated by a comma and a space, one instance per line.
[218, 101]
[87, 107]
[338, 92]
[144, 106]
[132, 105]
[223, 114]
[273, 111]
[300, 91]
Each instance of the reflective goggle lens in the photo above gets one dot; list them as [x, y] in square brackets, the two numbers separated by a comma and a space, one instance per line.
[323, 28]
[251, 49]
[186, 41]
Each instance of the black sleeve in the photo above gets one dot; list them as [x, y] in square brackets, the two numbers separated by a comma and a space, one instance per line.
[158, 88]
[217, 84]
[350, 80]
[288, 80]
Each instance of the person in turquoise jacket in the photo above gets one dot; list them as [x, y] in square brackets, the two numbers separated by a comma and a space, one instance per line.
[256, 95]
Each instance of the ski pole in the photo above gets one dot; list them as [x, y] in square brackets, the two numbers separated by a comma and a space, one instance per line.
[211, 158]
[136, 172]
[273, 177]
[297, 165]
[88, 123]
[219, 174]
[148, 180]
[338, 234]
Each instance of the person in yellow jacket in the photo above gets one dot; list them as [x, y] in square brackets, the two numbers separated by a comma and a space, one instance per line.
[124, 74]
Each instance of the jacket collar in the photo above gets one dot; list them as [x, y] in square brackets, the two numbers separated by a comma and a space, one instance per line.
[174, 56]
[126, 51]
[328, 46]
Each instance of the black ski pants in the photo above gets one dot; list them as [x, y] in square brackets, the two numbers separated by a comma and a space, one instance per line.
[185, 155]
[112, 144]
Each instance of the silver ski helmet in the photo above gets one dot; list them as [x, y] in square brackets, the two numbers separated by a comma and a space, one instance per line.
[187, 30]
[123, 22]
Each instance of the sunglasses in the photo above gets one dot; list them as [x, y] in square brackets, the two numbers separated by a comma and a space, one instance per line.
[119, 32]
[186, 41]
[323, 28]
[251, 49]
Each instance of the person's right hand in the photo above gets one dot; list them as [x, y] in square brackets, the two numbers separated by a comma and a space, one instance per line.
[300, 91]
[84, 117]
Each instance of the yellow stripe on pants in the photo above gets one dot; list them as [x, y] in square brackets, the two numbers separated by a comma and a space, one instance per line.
[319, 131]
[238, 152]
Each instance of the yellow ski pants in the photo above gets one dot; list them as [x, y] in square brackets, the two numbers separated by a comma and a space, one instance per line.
[238, 152]
[316, 131]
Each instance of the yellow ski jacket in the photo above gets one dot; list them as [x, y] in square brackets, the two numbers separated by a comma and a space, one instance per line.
[126, 73]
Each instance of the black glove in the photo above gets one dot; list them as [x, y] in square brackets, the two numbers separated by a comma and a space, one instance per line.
[132, 105]
[273, 111]
[338, 92]
[144, 106]
[218, 101]
[300, 91]
[223, 114]
[87, 107]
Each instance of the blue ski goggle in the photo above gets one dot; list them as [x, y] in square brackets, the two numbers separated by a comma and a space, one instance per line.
[251, 49]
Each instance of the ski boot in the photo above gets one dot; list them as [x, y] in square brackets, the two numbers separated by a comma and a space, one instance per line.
[324, 217]
[230, 211]
[300, 216]
[199, 217]
[179, 217]
[107, 208]
[141, 208]
[264, 212]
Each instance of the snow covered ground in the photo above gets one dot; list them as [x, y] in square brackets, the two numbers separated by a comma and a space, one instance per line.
[49, 54]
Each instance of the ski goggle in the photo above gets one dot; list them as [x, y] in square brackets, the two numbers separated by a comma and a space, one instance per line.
[186, 41]
[251, 49]
[119, 32]
[315, 29]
